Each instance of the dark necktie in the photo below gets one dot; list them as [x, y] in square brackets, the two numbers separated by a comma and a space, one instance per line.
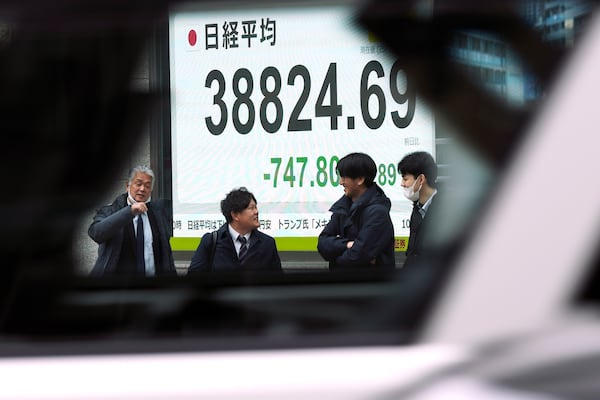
[139, 247]
[415, 221]
[243, 249]
[415, 218]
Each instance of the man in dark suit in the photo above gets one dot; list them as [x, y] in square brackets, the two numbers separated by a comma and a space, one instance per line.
[238, 245]
[133, 232]
[419, 173]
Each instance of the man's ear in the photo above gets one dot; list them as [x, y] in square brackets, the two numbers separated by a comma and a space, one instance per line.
[361, 180]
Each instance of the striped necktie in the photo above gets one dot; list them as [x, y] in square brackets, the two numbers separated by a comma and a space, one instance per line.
[243, 249]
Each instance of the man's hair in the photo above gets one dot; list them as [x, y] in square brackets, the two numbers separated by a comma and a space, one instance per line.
[356, 165]
[417, 163]
[140, 169]
[236, 201]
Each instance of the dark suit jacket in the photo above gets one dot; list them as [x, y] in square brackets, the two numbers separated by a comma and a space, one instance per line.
[112, 229]
[262, 254]
[419, 242]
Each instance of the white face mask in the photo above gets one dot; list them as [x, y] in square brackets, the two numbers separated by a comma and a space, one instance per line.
[410, 192]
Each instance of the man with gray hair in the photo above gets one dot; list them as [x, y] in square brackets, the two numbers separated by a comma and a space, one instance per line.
[133, 232]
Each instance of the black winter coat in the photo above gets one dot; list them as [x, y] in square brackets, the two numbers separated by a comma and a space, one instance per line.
[367, 222]
[108, 230]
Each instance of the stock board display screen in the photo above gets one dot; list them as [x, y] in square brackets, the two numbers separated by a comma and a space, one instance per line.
[270, 98]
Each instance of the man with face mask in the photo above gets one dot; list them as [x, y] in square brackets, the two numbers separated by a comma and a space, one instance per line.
[132, 232]
[419, 172]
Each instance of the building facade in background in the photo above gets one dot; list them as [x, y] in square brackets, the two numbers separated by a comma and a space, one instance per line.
[491, 63]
